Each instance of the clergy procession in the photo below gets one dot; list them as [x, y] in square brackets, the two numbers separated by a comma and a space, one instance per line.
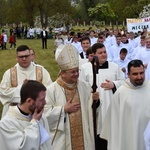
[99, 101]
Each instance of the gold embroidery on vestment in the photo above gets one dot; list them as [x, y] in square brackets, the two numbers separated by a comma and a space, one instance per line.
[13, 75]
[76, 128]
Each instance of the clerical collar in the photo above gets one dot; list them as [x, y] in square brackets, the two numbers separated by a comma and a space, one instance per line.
[22, 112]
[104, 65]
[69, 85]
[30, 67]
[61, 82]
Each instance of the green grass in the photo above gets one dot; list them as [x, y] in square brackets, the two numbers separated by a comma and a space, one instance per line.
[44, 57]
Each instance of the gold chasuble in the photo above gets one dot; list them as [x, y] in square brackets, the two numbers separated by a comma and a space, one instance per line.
[75, 119]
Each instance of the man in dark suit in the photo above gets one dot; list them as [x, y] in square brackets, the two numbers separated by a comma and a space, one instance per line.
[44, 36]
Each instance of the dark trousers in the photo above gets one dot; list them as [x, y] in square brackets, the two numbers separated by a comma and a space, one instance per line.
[2, 45]
[13, 44]
[44, 43]
[101, 144]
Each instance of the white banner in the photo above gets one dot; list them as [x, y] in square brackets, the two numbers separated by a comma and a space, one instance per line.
[136, 25]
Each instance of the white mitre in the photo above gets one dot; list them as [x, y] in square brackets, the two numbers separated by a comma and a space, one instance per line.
[67, 57]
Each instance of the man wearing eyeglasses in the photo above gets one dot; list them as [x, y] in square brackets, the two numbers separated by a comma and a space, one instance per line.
[14, 77]
[69, 105]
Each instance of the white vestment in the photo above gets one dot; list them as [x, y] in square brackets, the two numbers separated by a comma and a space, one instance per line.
[136, 50]
[112, 73]
[93, 40]
[147, 137]
[127, 117]
[18, 131]
[31, 31]
[59, 122]
[147, 71]
[111, 39]
[38, 31]
[129, 49]
[144, 55]
[78, 46]
[122, 64]
[114, 51]
[9, 94]
[133, 43]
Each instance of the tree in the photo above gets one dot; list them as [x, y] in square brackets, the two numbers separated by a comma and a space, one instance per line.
[81, 11]
[132, 11]
[119, 5]
[102, 12]
[60, 19]
[43, 10]
[144, 2]
[135, 10]
[2, 10]
[48, 8]
[29, 6]
[13, 11]
[26, 10]
[82, 7]
[145, 12]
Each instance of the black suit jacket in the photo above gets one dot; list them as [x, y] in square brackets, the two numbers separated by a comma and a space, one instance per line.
[82, 55]
[44, 37]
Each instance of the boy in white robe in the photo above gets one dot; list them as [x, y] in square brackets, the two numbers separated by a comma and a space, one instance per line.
[122, 61]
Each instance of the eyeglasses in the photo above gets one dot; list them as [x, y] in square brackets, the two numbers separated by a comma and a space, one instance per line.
[73, 72]
[24, 56]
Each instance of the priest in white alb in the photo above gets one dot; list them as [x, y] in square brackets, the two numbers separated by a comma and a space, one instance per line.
[129, 113]
[24, 126]
[109, 78]
[14, 77]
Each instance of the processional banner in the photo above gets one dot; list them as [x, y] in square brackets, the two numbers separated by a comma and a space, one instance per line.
[139, 24]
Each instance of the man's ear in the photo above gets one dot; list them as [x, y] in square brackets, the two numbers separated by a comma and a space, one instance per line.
[62, 73]
[29, 100]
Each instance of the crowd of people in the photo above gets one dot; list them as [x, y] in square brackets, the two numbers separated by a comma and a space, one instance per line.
[39, 113]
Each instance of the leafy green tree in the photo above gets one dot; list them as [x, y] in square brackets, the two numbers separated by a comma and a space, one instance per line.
[81, 11]
[60, 19]
[29, 8]
[62, 7]
[119, 5]
[48, 8]
[132, 11]
[3, 11]
[102, 12]
[13, 11]
[26, 10]
[144, 2]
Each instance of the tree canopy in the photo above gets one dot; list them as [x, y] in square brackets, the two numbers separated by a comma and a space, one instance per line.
[16, 11]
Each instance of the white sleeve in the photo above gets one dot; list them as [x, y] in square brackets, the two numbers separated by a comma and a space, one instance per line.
[27, 139]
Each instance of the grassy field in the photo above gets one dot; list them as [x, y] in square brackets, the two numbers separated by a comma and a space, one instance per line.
[44, 57]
